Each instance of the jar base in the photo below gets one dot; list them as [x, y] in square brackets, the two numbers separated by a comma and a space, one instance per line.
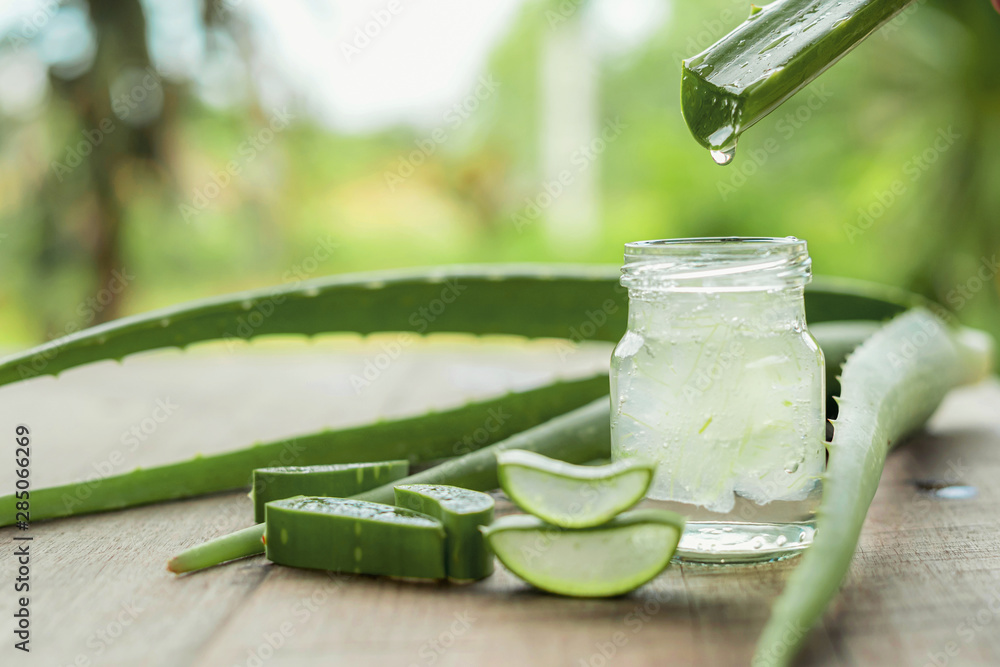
[725, 543]
[736, 537]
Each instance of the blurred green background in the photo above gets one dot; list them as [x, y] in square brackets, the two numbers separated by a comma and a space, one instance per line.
[153, 152]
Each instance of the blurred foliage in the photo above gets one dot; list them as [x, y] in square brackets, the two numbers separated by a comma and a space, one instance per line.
[849, 164]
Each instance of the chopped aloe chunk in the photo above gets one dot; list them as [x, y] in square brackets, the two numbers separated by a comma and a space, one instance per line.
[334, 481]
[344, 535]
[461, 512]
[767, 59]
[612, 559]
[571, 496]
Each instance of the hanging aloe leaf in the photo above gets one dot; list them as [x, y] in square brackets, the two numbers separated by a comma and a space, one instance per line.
[767, 59]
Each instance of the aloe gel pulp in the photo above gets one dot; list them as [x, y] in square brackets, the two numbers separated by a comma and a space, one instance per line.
[719, 384]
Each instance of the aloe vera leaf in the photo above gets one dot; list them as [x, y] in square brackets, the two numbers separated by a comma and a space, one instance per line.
[334, 481]
[610, 559]
[840, 340]
[777, 51]
[577, 437]
[461, 512]
[835, 299]
[890, 385]
[427, 437]
[344, 535]
[533, 300]
[568, 495]
[527, 300]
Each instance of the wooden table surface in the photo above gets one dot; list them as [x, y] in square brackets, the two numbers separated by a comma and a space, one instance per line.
[924, 588]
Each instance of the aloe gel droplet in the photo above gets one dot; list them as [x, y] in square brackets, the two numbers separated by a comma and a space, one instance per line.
[724, 156]
[722, 142]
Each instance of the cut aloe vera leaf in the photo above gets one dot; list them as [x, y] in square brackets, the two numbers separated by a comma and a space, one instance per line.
[461, 512]
[333, 481]
[344, 535]
[612, 559]
[767, 59]
[571, 496]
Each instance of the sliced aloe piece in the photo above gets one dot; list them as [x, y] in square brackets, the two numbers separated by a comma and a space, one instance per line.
[344, 535]
[612, 559]
[571, 496]
[767, 59]
[334, 481]
[461, 512]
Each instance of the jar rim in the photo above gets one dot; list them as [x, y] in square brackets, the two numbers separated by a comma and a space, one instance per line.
[741, 244]
[717, 263]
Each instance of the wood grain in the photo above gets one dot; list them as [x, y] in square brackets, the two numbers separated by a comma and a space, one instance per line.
[925, 581]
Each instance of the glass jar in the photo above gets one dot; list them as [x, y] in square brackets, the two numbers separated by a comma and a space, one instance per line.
[718, 382]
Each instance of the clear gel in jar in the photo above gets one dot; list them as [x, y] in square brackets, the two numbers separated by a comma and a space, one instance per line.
[719, 383]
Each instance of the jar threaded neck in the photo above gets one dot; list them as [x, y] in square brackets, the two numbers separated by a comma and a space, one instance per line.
[716, 264]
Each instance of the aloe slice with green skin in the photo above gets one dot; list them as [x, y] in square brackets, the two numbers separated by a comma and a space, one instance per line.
[891, 385]
[333, 481]
[344, 535]
[461, 512]
[767, 59]
[571, 496]
[607, 560]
